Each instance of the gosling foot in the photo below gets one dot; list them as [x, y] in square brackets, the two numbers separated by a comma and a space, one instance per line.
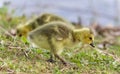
[51, 61]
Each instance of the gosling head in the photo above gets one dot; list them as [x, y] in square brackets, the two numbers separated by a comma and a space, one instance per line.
[22, 30]
[84, 35]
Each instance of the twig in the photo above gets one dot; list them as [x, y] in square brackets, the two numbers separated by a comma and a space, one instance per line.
[26, 54]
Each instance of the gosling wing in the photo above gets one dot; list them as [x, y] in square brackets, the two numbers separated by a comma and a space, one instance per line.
[58, 31]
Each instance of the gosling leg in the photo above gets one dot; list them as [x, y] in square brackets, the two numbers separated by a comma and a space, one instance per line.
[62, 60]
[51, 59]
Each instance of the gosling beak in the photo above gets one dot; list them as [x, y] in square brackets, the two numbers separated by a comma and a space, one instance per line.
[92, 44]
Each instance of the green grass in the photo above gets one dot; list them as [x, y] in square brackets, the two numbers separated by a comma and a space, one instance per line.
[16, 56]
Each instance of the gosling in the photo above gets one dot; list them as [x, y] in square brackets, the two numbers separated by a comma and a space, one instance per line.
[24, 28]
[55, 36]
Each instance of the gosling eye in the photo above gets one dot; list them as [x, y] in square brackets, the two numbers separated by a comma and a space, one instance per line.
[90, 38]
[20, 35]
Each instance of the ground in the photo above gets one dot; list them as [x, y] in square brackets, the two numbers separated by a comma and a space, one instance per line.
[17, 57]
